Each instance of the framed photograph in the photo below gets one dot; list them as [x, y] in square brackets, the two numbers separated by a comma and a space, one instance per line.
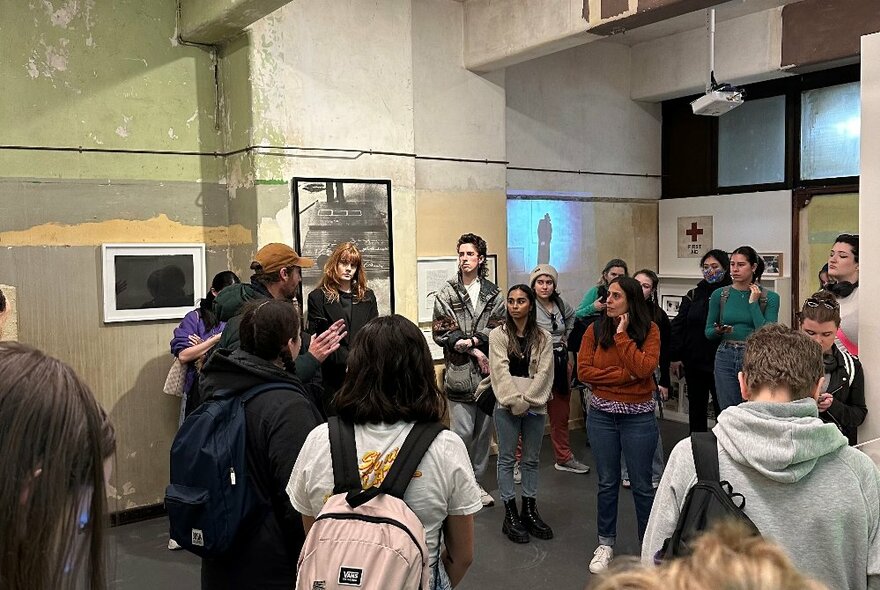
[772, 264]
[433, 272]
[329, 211]
[670, 304]
[151, 281]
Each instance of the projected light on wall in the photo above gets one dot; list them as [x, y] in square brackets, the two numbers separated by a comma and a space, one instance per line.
[542, 231]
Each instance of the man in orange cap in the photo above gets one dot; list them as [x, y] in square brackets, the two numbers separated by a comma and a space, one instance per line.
[277, 275]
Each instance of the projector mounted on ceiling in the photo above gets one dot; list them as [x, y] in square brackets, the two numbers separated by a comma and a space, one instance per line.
[719, 98]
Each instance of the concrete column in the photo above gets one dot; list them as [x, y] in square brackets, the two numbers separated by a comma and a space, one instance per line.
[869, 218]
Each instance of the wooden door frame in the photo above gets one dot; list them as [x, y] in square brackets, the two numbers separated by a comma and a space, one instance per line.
[800, 198]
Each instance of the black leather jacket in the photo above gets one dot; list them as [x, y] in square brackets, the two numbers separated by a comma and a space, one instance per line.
[847, 385]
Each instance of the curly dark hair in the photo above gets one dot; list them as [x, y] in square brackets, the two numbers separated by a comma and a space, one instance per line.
[480, 245]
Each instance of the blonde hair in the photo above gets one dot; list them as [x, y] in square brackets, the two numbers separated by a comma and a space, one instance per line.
[727, 557]
[344, 252]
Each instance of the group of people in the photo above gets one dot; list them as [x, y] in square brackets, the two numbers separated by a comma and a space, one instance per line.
[510, 361]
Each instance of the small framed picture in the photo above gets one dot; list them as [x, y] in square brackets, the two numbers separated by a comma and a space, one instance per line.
[670, 304]
[772, 264]
[151, 281]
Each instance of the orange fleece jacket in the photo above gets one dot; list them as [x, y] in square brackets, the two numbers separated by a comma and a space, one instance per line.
[624, 372]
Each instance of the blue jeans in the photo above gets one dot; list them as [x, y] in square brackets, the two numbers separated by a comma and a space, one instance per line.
[728, 364]
[509, 428]
[439, 577]
[658, 463]
[635, 435]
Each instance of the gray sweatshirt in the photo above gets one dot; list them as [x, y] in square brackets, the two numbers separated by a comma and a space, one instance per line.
[805, 489]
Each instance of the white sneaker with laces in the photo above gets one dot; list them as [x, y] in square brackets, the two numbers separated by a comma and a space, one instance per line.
[602, 556]
[485, 497]
[517, 473]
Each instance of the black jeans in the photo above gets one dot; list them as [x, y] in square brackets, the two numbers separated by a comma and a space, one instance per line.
[699, 385]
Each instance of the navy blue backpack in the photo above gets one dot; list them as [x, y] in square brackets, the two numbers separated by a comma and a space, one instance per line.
[209, 499]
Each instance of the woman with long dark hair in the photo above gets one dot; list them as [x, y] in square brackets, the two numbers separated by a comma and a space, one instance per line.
[391, 385]
[521, 372]
[617, 359]
[736, 311]
[197, 333]
[692, 354]
[341, 295]
[264, 555]
[842, 398]
[649, 281]
[57, 446]
[843, 271]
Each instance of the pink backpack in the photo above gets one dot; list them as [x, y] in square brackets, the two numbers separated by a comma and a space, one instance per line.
[368, 539]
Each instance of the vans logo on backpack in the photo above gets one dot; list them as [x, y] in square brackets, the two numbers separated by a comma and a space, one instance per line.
[198, 539]
[350, 576]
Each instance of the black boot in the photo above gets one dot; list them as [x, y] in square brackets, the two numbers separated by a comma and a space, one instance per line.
[512, 526]
[532, 520]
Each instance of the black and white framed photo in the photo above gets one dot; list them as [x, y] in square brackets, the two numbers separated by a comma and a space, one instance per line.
[151, 281]
[432, 272]
[330, 211]
[772, 264]
[670, 304]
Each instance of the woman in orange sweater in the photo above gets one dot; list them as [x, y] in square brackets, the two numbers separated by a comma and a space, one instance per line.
[617, 358]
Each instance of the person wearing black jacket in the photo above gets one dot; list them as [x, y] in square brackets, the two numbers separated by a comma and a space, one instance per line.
[690, 348]
[342, 295]
[842, 398]
[265, 552]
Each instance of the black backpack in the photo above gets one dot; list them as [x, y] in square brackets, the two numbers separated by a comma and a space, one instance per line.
[209, 498]
[710, 500]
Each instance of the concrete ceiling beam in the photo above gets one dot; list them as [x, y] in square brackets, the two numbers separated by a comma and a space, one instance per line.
[213, 22]
[501, 33]
[609, 17]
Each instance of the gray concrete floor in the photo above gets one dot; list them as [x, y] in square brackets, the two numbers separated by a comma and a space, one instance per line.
[567, 502]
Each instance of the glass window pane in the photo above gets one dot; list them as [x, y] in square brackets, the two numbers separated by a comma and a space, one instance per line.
[830, 120]
[751, 143]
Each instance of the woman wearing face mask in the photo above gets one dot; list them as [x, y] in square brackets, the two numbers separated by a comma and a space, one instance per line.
[843, 271]
[692, 354]
[842, 401]
[734, 313]
[618, 356]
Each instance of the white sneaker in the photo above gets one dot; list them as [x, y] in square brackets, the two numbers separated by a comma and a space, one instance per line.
[485, 497]
[517, 473]
[173, 545]
[602, 556]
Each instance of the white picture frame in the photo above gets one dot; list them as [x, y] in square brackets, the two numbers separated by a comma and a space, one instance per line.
[670, 304]
[433, 272]
[144, 282]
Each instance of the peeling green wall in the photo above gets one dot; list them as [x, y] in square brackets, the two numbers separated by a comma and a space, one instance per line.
[104, 75]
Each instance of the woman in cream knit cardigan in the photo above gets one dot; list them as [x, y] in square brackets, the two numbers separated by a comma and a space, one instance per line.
[521, 372]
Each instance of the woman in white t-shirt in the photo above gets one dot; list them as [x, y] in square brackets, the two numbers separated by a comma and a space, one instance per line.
[389, 386]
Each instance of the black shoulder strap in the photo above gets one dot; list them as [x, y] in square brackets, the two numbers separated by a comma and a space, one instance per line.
[417, 443]
[705, 449]
[343, 453]
[263, 388]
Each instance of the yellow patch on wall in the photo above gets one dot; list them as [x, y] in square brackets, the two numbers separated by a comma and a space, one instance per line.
[155, 230]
